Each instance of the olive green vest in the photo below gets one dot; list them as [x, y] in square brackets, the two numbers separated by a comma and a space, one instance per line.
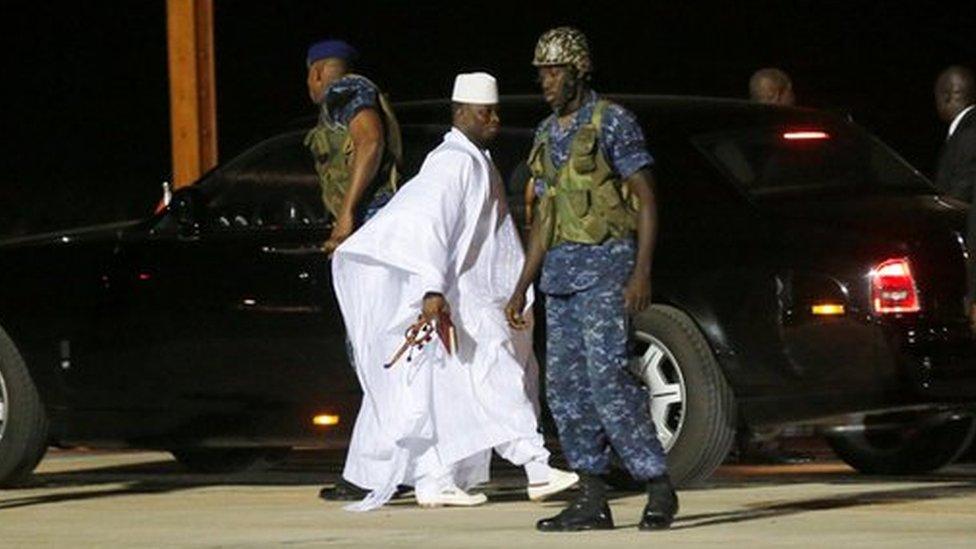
[332, 148]
[584, 201]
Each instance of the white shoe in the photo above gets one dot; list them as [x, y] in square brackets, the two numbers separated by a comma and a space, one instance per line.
[559, 480]
[450, 496]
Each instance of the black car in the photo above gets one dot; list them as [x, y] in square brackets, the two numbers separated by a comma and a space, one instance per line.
[804, 274]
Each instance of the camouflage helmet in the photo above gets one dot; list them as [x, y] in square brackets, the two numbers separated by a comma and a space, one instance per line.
[563, 46]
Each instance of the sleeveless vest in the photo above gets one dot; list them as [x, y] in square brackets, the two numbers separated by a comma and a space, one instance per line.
[585, 201]
[332, 148]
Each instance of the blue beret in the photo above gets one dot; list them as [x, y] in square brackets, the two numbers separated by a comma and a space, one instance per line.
[331, 48]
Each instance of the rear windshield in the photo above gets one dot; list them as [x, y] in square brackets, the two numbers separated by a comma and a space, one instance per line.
[813, 158]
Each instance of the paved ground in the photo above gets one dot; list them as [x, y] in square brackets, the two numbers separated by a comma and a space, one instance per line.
[134, 499]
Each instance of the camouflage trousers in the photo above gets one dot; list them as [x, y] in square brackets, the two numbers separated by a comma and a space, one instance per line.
[596, 402]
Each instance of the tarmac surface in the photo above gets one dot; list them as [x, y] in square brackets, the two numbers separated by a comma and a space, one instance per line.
[144, 499]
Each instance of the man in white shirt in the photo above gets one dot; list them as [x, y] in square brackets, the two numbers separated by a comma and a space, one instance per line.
[445, 243]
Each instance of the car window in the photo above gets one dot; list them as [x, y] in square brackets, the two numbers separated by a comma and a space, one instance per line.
[418, 141]
[271, 185]
[824, 157]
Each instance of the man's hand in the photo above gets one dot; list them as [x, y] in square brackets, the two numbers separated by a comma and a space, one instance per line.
[972, 317]
[637, 293]
[513, 311]
[434, 305]
[341, 230]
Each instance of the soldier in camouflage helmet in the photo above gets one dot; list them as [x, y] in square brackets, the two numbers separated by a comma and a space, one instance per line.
[592, 235]
[563, 46]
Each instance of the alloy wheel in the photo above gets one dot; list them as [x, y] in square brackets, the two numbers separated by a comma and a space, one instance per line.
[655, 365]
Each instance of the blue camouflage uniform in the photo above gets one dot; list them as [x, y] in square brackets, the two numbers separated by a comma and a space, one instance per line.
[343, 99]
[596, 402]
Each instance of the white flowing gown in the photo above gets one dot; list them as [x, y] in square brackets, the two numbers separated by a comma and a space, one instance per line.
[447, 230]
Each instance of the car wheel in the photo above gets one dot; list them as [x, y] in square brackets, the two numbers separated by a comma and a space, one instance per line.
[903, 444]
[691, 403]
[228, 460]
[23, 422]
[969, 455]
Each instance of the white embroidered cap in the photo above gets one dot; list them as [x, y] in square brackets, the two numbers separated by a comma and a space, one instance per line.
[475, 88]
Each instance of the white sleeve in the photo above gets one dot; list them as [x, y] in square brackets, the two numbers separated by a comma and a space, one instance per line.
[417, 231]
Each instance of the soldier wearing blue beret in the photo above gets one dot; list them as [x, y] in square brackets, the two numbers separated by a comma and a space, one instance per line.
[356, 143]
[357, 149]
[592, 174]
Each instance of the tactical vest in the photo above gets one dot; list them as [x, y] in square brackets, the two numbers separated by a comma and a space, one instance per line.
[332, 148]
[584, 201]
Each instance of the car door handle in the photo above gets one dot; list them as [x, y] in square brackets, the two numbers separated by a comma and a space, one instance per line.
[291, 250]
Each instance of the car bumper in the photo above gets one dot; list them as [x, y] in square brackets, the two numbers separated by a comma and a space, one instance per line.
[847, 366]
[938, 361]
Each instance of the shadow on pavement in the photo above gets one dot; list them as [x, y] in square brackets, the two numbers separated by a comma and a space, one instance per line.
[302, 468]
[315, 468]
[780, 509]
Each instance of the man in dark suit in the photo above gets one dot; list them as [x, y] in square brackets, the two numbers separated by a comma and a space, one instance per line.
[955, 99]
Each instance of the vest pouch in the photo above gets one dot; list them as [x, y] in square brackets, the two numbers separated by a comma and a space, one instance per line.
[334, 192]
[583, 150]
[595, 229]
[606, 197]
[318, 143]
[631, 200]
[576, 202]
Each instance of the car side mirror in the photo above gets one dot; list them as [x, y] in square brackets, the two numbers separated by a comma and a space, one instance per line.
[184, 207]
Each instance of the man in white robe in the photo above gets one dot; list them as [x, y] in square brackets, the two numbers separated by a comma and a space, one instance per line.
[445, 242]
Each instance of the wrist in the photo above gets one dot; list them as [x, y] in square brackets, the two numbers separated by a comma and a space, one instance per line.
[642, 269]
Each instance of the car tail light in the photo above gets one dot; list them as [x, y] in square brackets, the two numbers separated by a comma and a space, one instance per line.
[805, 135]
[325, 420]
[893, 288]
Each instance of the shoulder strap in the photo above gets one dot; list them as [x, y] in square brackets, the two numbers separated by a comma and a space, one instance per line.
[540, 159]
[597, 117]
[540, 149]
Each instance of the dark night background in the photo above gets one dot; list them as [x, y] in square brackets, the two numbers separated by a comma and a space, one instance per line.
[86, 122]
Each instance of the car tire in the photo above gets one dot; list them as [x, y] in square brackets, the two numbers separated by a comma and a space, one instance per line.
[922, 445]
[23, 421]
[969, 455]
[229, 460]
[695, 414]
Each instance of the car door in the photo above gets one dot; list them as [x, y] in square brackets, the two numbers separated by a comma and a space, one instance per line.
[237, 293]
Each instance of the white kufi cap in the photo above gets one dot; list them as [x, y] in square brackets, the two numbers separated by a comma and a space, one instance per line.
[476, 88]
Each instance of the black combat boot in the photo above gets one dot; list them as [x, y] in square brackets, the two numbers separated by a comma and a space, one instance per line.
[662, 504]
[343, 490]
[589, 511]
